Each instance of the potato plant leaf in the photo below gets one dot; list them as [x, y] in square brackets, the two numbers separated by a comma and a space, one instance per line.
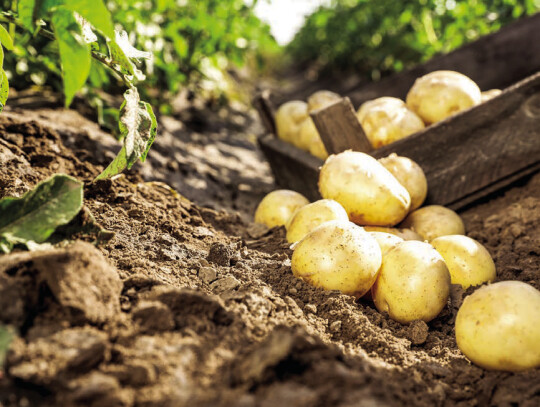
[6, 336]
[119, 58]
[5, 38]
[74, 52]
[138, 127]
[4, 89]
[35, 216]
[26, 10]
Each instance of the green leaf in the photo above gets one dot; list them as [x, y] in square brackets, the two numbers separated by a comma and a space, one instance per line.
[6, 336]
[5, 38]
[119, 58]
[36, 215]
[92, 10]
[74, 52]
[4, 89]
[26, 13]
[138, 126]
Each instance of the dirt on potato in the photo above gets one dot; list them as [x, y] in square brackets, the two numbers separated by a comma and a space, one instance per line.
[189, 306]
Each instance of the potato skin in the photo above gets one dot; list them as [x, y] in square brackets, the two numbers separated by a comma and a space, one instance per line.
[414, 283]
[370, 194]
[310, 140]
[405, 234]
[410, 175]
[498, 326]
[490, 94]
[338, 255]
[433, 221]
[387, 119]
[322, 98]
[278, 206]
[469, 262]
[440, 94]
[289, 117]
[308, 217]
[386, 241]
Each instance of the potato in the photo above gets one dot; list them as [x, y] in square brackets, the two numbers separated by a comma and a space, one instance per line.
[278, 206]
[386, 241]
[414, 283]
[310, 140]
[310, 216]
[289, 117]
[498, 326]
[410, 175]
[440, 94]
[370, 194]
[405, 234]
[467, 260]
[386, 120]
[322, 98]
[338, 255]
[433, 221]
[490, 94]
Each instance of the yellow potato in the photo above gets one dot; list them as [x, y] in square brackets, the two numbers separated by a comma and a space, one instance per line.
[405, 234]
[370, 194]
[490, 94]
[433, 221]
[414, 283]
[278, 206]
[498, 326]
[410, 175]
[322, 98]
[386, 241]
[467, 260]
[310, 216]
[310, 140]
[289, 117]
[440, 94]
[338, 255]
[387, 119]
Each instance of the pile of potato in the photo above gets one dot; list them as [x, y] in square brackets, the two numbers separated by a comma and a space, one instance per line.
[433, 98]
[369, 234]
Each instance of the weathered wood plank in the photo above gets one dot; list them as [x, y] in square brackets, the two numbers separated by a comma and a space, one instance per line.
[494, 61]
[266, 110]
[469, 155]
[339, 128]
[293, 168]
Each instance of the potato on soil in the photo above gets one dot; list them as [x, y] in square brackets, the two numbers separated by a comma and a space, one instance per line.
[433, 221]
[386, 241]
[310, 216]
[414, 283]
[410, 175]
[338, 255]
[322, 98]
[370, 194]
[467, 260]
[405, 234]
[440, 94]
[498, 326]
[278, 206]
[310, 140]
[387, 119]
[289, 117]
[490, 94]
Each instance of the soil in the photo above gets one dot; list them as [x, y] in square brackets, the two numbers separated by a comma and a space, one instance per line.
[196, 306]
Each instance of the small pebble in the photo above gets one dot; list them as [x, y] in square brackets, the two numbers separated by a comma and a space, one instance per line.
[335, 326]
[311, 308]
[293, 290]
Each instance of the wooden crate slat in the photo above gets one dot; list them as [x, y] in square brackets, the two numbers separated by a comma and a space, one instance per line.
[339, 128]
[266, 110]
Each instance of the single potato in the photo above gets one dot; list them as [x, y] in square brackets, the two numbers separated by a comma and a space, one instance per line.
[467, 260]
[338, 255]
[387, 119]
[278, 206]
[440, 94]
[322, 98]
[490, 94]
[410, 175]
[386, 241]
[310, 216]
[433, 221]
[289, 117]
[370, 194]
[310, 140]
[498, 326]
[405, 234]
[414, 283]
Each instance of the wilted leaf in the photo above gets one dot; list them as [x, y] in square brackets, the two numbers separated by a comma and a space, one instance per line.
[4, 89]
[86, 28]
[5, 38]
[119, 58]
[129, 50]
[6, 336]
[36, 215]
[138, 126]
[74, 52]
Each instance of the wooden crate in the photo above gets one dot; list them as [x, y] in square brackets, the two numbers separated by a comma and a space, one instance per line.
[464, 157]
